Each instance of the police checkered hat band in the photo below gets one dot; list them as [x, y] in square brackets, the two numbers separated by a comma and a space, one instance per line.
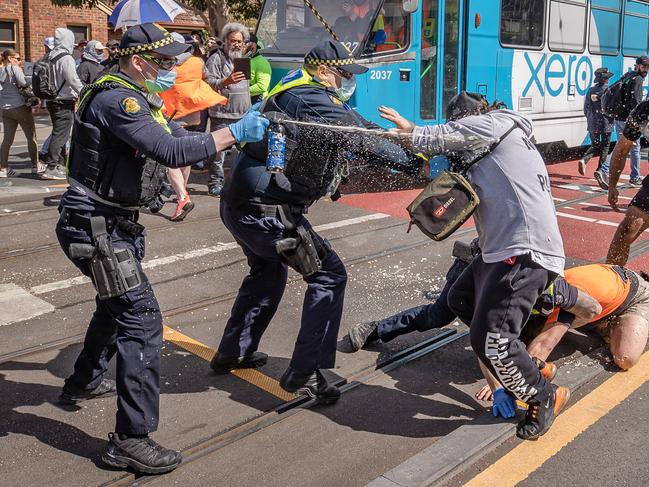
[146, 47]
[333, 53]
[150, 38]
[328, 62]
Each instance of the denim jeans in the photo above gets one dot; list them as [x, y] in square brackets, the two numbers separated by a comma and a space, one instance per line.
[635, 153]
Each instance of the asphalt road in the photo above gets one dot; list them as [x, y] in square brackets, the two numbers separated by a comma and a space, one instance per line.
[232, 429]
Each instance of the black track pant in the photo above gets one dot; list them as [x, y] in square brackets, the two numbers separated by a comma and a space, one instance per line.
[601, 142]
[497, 299]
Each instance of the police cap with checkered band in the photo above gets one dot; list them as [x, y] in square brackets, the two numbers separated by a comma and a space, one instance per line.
[333, 54]
[150, 38]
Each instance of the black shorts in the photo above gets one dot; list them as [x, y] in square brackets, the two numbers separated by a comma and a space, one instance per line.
[641, 199]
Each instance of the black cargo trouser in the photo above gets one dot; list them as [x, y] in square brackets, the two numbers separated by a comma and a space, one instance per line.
[62, 116]
[599, 147]
[496, 300]
[129, 326]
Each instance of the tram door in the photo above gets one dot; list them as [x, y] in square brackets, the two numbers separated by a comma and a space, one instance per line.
[441, 56]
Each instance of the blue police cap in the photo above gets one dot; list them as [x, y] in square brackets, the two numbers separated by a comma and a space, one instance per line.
[332, 53]
[150, 38]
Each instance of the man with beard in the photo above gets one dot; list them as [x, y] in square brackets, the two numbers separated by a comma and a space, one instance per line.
[220, 75]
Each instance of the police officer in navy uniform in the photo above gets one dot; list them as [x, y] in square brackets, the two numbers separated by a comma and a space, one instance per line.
[121, 146]
[265, 210]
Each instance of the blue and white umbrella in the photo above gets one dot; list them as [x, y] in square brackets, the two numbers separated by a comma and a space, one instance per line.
[133, 12]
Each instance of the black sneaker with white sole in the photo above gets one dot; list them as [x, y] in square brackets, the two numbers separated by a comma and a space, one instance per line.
[311, 384]
[71, 395]
[141, 454]
[602, 179]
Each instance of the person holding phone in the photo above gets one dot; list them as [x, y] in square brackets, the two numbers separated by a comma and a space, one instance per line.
[222, 75]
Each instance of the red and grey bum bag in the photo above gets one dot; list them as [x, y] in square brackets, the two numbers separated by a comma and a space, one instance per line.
[443, 206]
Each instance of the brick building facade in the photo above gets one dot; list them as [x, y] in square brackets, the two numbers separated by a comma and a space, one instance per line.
[24, 24]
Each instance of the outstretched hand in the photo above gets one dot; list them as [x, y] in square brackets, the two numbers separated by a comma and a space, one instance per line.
[403, 124]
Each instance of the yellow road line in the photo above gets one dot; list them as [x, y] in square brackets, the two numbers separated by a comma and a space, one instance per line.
[60, 185]
[527, 457]
[205, 352]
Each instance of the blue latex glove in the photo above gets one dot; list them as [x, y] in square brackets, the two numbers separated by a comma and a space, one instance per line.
[251, 128]
[504, 404]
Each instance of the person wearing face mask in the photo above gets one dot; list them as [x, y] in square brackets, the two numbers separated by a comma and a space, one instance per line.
[265, 210]
[90, 67]
[121, 146]
[221, 76]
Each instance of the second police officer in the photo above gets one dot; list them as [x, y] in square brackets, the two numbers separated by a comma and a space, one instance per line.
[121, 144]
[265, 212]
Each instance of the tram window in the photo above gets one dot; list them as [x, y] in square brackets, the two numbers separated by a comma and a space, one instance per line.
[451, 51]
[428, 73]
[567, 26]
[604, 35]
[391, 31]
[521, 23]
[636, 29]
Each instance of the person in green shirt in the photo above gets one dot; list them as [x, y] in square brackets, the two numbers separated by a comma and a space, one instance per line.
[260, 70]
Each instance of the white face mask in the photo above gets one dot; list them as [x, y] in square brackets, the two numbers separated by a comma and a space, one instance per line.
[347, 88]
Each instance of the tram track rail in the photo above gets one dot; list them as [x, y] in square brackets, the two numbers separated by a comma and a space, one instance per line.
[221, 298]
[228, 436]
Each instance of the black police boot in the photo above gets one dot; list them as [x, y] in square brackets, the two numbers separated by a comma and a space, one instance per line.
[362, 334]
[222, 364]
[141, 454]
[71, 395]
[539, 417]
[312, 384]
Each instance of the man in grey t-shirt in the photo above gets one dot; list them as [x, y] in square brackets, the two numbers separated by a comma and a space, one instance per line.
[522, 250]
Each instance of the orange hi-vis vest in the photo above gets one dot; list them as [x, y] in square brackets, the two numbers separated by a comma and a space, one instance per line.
[611, 286]
[190, 94]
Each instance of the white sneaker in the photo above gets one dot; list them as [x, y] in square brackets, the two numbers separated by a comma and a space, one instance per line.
[40, 169]
[7, 173]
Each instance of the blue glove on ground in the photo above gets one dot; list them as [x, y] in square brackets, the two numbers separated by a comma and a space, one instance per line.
[504, 404]
[251, 128]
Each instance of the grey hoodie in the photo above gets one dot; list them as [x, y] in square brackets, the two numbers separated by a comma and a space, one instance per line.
[516, 214]
[65, 69]
[218, 67]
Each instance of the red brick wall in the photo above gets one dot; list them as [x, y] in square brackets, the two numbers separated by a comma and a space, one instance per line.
[43, 18]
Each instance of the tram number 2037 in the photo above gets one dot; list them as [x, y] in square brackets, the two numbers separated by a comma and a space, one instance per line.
[379, 74]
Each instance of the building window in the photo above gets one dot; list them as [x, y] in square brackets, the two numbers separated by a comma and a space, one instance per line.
[8, 35]
[521, 23]
[81, 32]
[636, 29]
[604, 37]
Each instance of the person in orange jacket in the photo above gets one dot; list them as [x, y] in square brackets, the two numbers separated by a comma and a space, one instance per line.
[183, 103]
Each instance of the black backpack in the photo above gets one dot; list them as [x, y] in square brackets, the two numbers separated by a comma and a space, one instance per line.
[615, 97]
[43, 82]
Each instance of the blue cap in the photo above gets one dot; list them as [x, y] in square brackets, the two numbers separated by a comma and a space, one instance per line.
[333, 53]
[150, 38]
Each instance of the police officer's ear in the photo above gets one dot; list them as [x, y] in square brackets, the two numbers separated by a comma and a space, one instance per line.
[325, 75]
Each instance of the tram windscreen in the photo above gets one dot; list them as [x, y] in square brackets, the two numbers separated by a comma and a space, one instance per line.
[289, 28]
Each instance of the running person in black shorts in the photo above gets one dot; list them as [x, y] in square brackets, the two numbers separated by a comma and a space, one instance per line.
[636, 219]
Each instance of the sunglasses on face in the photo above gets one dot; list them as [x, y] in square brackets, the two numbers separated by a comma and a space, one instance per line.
[163, 63]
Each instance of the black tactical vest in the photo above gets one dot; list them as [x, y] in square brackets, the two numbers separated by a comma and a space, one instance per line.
[312, 156]
[123, 177]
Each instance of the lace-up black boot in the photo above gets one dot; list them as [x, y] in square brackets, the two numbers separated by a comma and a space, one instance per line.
[312, 384]
[141, 454]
